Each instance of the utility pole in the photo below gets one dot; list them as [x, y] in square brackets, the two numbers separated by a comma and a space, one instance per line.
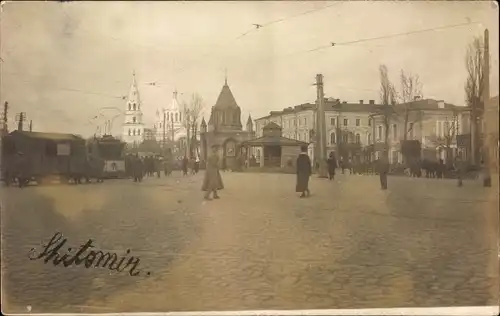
[21, 118]
[5, 115]
[164, 122]
[31, 125]
[321, 128]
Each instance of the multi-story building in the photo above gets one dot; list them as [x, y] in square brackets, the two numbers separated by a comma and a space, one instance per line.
[172, 118]
[434, 123]
[347, 124]
[351, 127]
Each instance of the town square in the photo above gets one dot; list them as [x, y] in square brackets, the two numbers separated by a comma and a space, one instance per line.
[264, 160]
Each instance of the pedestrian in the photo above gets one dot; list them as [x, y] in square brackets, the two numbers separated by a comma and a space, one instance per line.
[383, 170]
[342, 165]
[137, 169]
[460, 167]
[185, 166]
[213, 180]
[332, 165]
[303, 173]
[197, 165]
[157, 164]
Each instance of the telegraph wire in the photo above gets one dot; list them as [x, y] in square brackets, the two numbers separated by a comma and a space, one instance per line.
[333, 44]
[256, 28]
[75, 90]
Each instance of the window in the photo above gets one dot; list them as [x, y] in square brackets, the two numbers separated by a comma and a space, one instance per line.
[345, 138]
[358, 139]
[134, 132]
[332, 121]
[129, 107]
[180, 117]
[139, 132]
[135, 107]
[129, 132]
[305, 137]
[357, 122]
[369, 122]
[379, 132]
[305, 120]
[333, 139]
[133, 119]
[369, 138]
[294, 123]
[345, 122]
[395, 131]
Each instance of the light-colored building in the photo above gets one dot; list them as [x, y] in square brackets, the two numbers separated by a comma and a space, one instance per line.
[346, 123]
[133, 126]
[434, 123]
[352, 127]
[172, 118]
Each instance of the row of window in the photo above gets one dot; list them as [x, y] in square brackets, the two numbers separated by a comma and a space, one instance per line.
[333, 122]
[134, 106]
[134, 132]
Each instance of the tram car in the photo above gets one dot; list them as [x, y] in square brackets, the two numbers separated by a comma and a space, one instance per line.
[112, 151]
[40, 157]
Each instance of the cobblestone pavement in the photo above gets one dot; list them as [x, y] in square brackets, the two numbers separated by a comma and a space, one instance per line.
[423, 242]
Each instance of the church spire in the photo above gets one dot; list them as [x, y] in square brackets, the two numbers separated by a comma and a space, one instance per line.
[134, 100]
[225, 77]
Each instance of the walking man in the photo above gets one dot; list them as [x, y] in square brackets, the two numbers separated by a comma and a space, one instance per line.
[383, 170]
[303, 173]
[185, 166]
[213, 180]
[332, 165]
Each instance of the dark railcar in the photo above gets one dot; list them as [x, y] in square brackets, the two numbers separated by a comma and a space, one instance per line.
[36, 156]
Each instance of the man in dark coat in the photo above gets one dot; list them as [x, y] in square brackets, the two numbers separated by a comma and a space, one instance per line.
[213, 180]
[137, 169]
[303, 173]
[185, 162]
[332, 165]
[383, 170]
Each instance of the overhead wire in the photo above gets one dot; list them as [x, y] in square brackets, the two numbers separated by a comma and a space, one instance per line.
[256, 28]
[70, 89]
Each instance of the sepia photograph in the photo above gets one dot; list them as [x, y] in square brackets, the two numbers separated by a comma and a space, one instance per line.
[249, 157]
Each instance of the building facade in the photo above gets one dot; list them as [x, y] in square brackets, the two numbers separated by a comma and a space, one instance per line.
[133, 126]
[352, 128]
[224, 129]
[169, 122]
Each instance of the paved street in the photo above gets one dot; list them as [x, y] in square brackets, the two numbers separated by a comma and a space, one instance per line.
[421, 243]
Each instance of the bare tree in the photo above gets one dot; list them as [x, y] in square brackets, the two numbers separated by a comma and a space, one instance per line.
[411, 89]
[450, 129]
[192, 113]
[474, 86]
[388, 100]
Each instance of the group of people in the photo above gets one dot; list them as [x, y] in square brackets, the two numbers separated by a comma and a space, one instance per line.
[304, 170]
[137, 167]
[192, 164]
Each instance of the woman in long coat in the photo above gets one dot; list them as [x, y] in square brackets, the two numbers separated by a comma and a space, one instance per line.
[213, 180]
[303, 173]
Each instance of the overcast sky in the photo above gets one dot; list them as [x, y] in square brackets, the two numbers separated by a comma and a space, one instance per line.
[63, 62]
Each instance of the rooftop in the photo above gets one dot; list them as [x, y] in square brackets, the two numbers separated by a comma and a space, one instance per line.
[48, 136]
